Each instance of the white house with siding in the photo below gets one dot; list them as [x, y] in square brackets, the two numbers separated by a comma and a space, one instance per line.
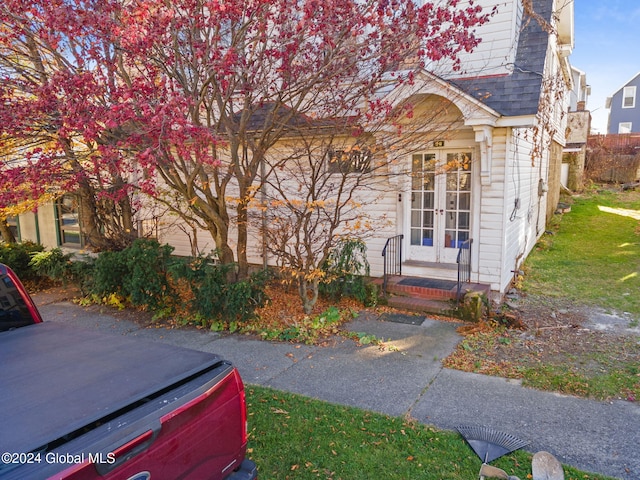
[507, 141]
[510, 101]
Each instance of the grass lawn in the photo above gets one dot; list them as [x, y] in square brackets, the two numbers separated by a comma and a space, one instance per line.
[295, 437]
[593, 254]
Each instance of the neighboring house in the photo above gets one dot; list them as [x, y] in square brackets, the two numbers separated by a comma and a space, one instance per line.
[578, 129]
[624, 108]
[510, 105]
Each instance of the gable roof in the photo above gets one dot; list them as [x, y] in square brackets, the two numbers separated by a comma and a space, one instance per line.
[515, 94]
[519, 92]
[626, 84]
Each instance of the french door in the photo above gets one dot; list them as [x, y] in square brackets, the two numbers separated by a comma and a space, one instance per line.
[440, 212]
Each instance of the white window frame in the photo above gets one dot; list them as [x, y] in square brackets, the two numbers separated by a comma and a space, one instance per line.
[350, 160]
[624, 127]
[629, 92]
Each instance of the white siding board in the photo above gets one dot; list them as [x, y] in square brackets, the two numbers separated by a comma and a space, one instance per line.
[497, 48]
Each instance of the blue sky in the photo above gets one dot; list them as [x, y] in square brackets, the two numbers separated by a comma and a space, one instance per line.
[607, 49]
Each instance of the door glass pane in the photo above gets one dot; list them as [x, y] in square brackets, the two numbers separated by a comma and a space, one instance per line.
[416, 172]
[429, 202]
[415, 218]
[449, 238]
[415, 200]
[452, 199]
[451, 220]
[459, 161]
[465, 181]
[452, 181]
[428, 220]
[429, 163]
[464, 201]
[463, 220]
[415, 236]
[429, 183]
[427, 238]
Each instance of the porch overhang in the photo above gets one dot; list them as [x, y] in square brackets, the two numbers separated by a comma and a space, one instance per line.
[521, 121]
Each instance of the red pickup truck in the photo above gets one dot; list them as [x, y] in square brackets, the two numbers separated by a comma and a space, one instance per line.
[79, 404]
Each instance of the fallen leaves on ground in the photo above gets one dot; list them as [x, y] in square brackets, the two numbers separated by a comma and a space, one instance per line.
[553, 350]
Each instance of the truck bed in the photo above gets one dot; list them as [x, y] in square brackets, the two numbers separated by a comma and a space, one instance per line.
[101, 375]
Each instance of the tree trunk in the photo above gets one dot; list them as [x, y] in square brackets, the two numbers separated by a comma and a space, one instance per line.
[308, 294]
[243, 263]
[220, 234]
[130, 230]
[88, 218]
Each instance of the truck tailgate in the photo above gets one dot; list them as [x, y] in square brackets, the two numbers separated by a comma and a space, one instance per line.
[101, 374]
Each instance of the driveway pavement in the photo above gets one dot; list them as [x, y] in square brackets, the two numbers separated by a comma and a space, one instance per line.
[601, 437]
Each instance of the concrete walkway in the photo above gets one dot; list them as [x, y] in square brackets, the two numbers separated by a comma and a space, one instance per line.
[602, 437]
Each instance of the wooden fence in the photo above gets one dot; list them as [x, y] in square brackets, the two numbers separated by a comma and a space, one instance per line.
[613, 158]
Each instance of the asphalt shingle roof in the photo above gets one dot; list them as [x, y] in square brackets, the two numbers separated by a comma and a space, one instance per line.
[514, 94]
[519, 92]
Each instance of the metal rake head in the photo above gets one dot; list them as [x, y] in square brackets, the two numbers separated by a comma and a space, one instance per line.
[490, 444]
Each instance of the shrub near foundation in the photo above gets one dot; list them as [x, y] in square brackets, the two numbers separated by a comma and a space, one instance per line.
[198, 291]
[18, 257]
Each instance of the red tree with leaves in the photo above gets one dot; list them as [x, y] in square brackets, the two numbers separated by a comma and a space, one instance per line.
[196, 92]
[54, 99]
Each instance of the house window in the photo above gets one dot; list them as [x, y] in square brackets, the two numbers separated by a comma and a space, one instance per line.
[629, 97]
[12, 223]
[352, 160]
[624, 127]
[69, 221]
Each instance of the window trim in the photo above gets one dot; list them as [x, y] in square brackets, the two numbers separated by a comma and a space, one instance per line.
[629, 92]
[627, 125]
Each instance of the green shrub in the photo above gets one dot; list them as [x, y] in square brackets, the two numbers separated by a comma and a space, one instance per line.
[206, 281]
[82, 273]
[137, 273]
[242, 298]
[53, 264]
[148, 276]
[146, 283]
[346, 269]
[214, 297]
[18, 257]
[109, 271]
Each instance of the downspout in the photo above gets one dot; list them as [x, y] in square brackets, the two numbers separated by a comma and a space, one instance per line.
[37, 225]
[56, 215]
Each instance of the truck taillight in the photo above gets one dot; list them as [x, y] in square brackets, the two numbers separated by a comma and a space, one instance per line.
[243, 407]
